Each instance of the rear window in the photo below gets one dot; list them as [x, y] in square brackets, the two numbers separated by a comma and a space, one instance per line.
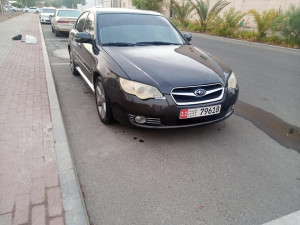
[68, 13]
[48, 11]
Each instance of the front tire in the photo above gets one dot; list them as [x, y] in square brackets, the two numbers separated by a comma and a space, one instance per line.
[103, 102]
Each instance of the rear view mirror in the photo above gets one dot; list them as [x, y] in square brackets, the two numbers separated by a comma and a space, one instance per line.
[187, 36]
[83, 37]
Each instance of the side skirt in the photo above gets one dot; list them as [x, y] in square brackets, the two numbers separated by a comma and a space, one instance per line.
[85, 78]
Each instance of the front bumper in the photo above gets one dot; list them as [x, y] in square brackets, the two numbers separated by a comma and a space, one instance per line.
[165, 113]
[45, 20]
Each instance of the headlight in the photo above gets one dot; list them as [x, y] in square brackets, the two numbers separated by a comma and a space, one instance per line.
[232, 81]
[142, 91]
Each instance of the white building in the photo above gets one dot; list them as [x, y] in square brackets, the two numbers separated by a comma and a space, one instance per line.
[105, 4]
[116, 4]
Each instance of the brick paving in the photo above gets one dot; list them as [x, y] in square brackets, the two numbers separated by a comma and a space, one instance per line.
[29, 186]
[6, 16]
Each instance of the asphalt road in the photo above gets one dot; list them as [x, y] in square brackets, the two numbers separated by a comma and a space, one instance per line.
[226, 173]
[269, 78]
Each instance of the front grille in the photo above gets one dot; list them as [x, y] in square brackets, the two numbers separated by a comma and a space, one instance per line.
[187, 96]
[153, 121]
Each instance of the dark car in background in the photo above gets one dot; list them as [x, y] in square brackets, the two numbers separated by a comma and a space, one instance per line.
[143, 71]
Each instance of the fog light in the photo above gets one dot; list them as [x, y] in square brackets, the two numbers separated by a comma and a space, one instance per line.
[140, 119]
[229, 111]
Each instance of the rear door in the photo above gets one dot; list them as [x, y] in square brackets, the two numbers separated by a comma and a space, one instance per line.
[86, 50]
[76, 47]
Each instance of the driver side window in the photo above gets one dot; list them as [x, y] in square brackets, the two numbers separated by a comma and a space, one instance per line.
[81, 21]
[89, 24]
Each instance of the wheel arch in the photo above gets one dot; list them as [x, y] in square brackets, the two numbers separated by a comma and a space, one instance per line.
[95, 75]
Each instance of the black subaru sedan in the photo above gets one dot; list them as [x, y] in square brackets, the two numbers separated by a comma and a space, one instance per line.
[145, 72]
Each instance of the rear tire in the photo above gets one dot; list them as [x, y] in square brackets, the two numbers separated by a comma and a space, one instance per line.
[57, 33]
[72, 65]
[103, 102]
[53, 31]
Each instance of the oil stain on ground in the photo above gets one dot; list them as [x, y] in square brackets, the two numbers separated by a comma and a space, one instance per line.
[284, 133]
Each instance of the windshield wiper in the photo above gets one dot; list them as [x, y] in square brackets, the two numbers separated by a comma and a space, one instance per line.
[118, 44]
[156, 43]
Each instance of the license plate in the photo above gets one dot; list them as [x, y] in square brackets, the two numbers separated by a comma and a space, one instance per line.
[199, 112]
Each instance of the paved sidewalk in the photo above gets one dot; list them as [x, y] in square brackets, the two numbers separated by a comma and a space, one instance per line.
[7, 16]
[30, 192]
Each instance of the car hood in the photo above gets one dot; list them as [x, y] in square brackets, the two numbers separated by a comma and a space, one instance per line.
[166, 67]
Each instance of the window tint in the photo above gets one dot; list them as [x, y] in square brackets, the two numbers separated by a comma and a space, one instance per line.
[68, 13]
[81, 22]
[89, 24]
[136, 28]
[48, 10]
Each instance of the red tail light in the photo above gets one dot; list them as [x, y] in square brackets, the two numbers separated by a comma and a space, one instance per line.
[62, 21]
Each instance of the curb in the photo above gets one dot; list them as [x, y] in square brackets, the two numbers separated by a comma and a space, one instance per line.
[73, 203]
[290, 219]
[245, 42]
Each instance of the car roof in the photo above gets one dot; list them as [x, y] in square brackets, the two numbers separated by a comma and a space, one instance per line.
[100, 10]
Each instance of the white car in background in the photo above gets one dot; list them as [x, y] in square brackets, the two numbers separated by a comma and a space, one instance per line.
[31, 10]
[47, 14]
[10, 8]
[64, 20]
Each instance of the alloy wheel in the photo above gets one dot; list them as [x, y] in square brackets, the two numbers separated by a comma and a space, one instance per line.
[101, 100]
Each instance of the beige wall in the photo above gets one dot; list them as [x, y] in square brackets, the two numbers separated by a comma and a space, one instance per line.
[242, 5]
[260, 5]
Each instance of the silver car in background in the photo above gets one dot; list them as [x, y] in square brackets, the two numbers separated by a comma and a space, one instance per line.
[64, 20]
[31, 10]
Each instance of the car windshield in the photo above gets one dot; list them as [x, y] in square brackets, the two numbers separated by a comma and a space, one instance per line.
[136, 29]
[48, 11]
[68, 13]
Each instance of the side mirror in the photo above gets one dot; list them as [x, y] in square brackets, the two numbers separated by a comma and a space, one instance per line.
[187, 36]
[83, 37]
